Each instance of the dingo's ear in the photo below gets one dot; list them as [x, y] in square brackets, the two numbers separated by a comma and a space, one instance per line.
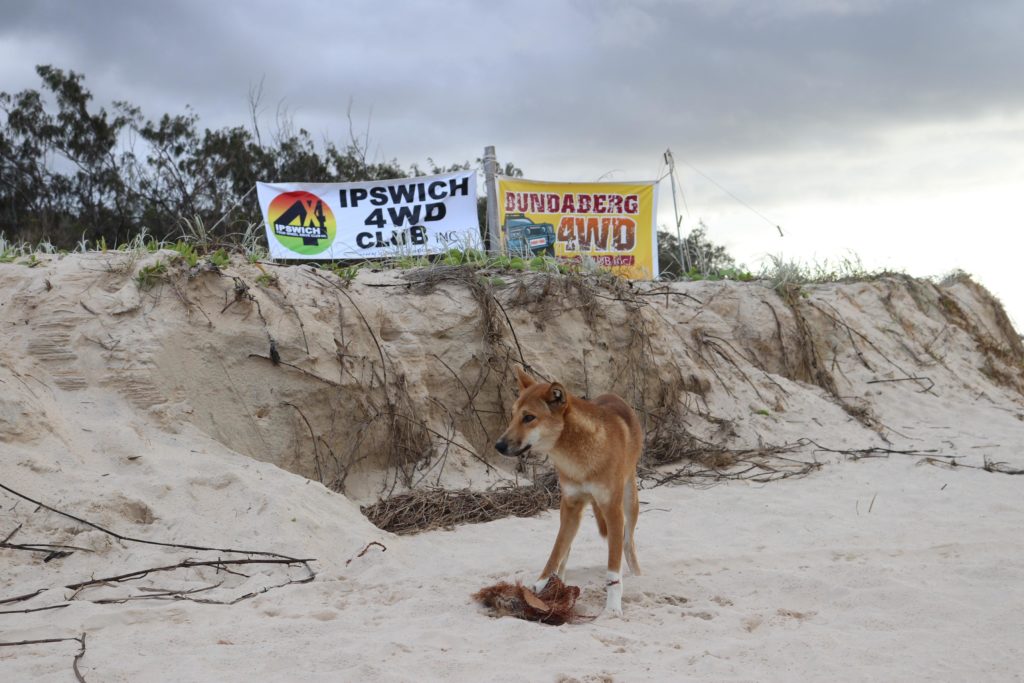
[556, 396]
[525, 380]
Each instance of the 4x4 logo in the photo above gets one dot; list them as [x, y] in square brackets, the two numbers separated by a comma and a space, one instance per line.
[302, 222]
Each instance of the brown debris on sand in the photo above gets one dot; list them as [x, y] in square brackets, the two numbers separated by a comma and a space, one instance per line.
[424, 509]
[554, 605]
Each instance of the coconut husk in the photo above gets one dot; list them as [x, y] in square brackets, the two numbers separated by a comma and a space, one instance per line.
[555, 604]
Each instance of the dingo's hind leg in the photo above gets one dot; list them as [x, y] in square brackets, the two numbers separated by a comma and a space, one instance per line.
[615, 519]
[602, 527]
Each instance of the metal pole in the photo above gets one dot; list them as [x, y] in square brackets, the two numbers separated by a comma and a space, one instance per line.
[683, 261]
[490, 171]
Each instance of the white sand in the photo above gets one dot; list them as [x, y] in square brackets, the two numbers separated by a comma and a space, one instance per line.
[878, 569]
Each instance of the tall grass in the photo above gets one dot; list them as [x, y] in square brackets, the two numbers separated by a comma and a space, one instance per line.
[781, 273]
[197, 245]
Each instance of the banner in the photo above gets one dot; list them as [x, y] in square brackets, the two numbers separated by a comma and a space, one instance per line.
[366, 220]
[611, 223]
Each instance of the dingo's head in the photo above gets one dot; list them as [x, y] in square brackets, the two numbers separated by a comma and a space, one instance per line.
[537, 416]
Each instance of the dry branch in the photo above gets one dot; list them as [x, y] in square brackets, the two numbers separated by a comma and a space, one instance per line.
[77, 659]
[312, 436]
[130, 539]
[422, 510]
[43, 641]
[708, 466]
[383, 549]
[267, 557]
[369, 328]
[908, 379]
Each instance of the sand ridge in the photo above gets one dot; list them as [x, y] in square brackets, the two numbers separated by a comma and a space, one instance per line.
[160, 413]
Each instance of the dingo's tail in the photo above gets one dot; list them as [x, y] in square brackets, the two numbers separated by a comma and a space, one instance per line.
[631, 505]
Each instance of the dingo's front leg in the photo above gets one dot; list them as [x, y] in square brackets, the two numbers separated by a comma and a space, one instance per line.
[570, 512]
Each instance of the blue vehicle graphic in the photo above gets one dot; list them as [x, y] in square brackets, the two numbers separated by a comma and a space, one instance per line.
[523, 237]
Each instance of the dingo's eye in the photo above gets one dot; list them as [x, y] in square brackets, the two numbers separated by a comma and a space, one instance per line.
[528, 418]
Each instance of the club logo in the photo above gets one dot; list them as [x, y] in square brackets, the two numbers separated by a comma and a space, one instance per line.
[302, 222]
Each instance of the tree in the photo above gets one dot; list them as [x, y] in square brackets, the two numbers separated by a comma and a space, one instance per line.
[62, 171]
[68, 169]
[702, 257]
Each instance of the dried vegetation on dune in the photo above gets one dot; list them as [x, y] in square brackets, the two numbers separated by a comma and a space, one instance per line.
[391, 386]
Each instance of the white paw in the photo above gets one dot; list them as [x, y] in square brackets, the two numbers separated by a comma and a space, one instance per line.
[612, 611]
[539, 584]
[613, 604]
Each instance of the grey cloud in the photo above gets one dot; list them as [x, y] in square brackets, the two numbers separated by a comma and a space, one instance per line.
[591, 80]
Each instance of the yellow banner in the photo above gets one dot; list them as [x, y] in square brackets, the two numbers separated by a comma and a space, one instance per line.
[611, 223]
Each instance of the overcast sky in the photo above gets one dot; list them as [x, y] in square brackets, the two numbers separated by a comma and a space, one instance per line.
[889, 129]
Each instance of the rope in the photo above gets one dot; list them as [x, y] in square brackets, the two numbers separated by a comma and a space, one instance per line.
[716, 184]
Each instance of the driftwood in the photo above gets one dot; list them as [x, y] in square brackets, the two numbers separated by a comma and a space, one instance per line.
[259, 557]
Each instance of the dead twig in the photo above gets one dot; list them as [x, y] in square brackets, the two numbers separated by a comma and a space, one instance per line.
[21, 598]
[11, 535]
[191, 564]
[185, 564]
[380, 349]
[312, 435]
[706, 465]
[988, 466]
[851, 330]
[908, 379]
[77, 659]
[44, 641]
[446, 439]
[265, 558]
[705, 337]
[874, 451]
[34, 609]
[383, 549]
[131, 539]
[665, 291]
[469, 396]
[41, 641]
[421, 510]
[278, 361]
[508, 321]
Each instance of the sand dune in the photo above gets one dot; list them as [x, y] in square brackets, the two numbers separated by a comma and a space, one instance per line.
[158, 412]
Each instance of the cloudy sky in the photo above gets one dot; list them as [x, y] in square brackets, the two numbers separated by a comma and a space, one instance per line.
[889, 130]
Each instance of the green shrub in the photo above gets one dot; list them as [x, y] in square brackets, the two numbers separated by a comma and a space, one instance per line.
[220, 258]
[150, 275]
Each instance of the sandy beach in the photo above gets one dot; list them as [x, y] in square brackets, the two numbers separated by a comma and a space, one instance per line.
[866, 527]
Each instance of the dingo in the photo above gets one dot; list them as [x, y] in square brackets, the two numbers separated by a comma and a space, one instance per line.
[594, 446]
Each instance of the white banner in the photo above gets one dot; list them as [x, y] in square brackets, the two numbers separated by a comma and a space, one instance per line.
[366, 220]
